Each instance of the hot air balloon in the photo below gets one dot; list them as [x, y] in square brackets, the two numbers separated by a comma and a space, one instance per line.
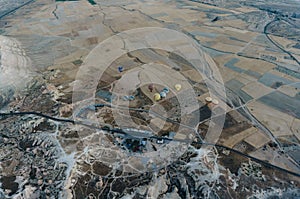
[208, 99]
[125, 98]
[131, 97]
[157, 97]
[178, 87]
[163, 94]
[120, 69]
[151, 87]
[166, 90]
[214, 101]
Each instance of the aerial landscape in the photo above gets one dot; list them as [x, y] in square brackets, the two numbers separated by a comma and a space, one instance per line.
[150, 99]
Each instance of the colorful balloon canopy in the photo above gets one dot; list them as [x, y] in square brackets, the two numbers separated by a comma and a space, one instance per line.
[151, 87]
[214, 101]
[208, 99]
[157, 97]
[178, 87]
[120, 69]
[163, 94]
[166, 90]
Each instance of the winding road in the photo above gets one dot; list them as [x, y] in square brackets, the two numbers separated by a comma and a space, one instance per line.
[274, 43]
